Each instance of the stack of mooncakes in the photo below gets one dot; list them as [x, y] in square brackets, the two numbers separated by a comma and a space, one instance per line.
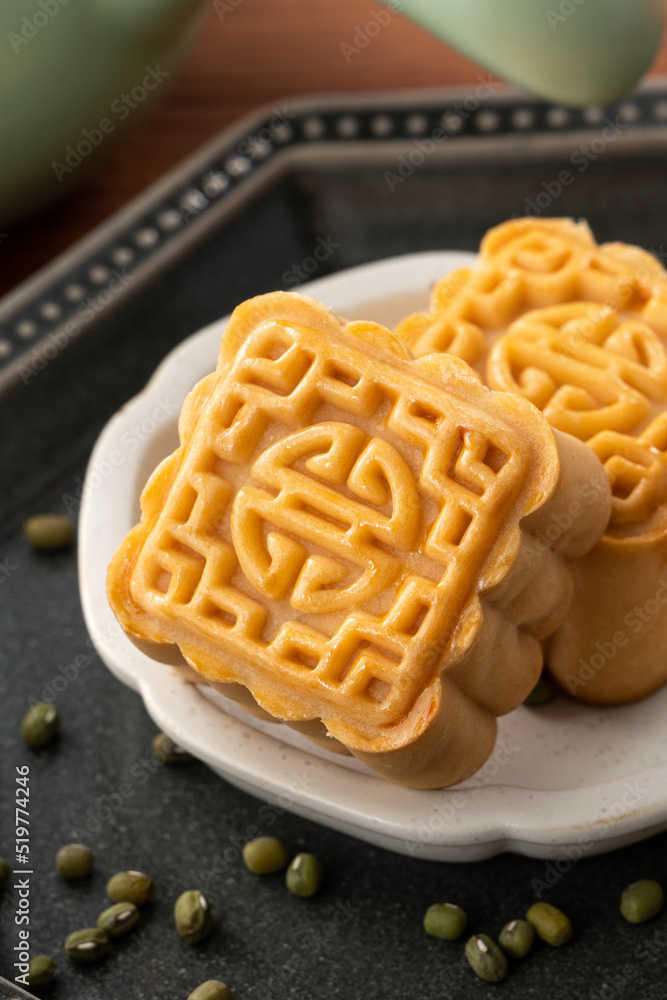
[580, 331]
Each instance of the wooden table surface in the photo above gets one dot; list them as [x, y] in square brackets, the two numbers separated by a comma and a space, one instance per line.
[258, 52]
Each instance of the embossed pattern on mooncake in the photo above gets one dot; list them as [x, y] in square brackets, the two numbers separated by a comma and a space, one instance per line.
[581, 331]
[578, 329]
[326, 531]
[601, 378]
[330, 517]
[528, 264]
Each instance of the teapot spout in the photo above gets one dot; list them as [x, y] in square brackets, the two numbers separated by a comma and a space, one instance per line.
[574, 52]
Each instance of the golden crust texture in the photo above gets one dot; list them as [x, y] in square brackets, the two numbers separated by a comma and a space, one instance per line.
[351, 540]
[581, 331]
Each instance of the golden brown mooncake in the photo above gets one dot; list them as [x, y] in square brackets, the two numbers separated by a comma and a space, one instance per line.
[356, 541]
[581, 331]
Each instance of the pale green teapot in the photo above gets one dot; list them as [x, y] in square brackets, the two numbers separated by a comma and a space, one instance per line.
[574, 52]
[75, 75]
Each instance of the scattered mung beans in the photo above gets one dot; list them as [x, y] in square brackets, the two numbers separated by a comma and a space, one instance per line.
[516, 938]
[485, 958]
[304, 875]
[87, 945]
[74, 861]
[40, 725]
[212, 989]
[41, 972]
[642, 900]
[130, 887]
[445, 920]
[193, 916]
[118, 919]
[549, 923]
[265, 855]
[48, 532]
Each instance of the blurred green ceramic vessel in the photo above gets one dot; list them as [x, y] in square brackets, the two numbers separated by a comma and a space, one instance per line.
[573, 52]
[75, 76]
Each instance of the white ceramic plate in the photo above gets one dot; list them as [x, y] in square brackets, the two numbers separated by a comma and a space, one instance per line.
[565, 780]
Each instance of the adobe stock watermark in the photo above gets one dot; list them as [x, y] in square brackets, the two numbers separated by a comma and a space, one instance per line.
[322, 250]
[254, 147]
[131, 439]
[277, 123]
[137, 949]
[224, 7]
[110, 977]
[443, 979]
[571, 853]
[565, 9]
[227, 863]
[581, 158]
[407, 164]
[364, 34]
[121, 108]
[444, 813]
[32, 24]
[616, 983]
[85, 312]
[643, 272]
[546, 538]
[106, 806]
[6, 569]
[65, 675]
[605, 651]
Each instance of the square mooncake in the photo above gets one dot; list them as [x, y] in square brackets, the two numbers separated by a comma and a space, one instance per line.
[357, 540]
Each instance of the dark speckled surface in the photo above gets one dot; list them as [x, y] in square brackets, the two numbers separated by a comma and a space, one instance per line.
[361, 937]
